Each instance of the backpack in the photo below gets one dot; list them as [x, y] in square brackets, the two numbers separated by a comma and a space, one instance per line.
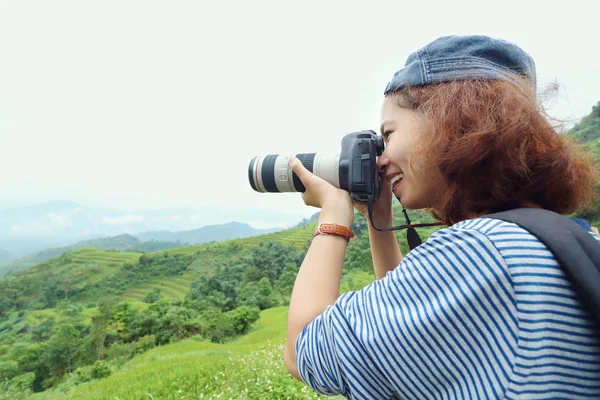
[575, 249]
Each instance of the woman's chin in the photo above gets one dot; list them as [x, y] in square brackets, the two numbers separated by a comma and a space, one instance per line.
[407, 203]
[411, 204]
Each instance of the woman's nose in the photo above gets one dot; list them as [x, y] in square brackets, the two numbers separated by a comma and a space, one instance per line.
[382, 163]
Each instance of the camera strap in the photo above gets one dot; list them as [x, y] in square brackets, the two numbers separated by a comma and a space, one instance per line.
[575, 249]
[412, 236]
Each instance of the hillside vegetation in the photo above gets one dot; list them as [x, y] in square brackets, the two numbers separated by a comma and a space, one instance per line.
[587, 134]
[81, 316]
[248, 368]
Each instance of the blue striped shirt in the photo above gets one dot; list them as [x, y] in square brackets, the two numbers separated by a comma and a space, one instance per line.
[481, 310]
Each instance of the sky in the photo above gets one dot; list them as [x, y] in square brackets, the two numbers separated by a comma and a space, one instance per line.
[151, 104]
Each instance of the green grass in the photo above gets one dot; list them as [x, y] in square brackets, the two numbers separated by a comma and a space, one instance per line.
[248, 368]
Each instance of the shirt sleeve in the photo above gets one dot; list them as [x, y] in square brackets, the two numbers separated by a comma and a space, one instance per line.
[442, 324]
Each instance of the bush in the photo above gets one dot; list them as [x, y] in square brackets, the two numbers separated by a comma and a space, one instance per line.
[100, 369]
[21, 384]
[152, 296]
[216, 326]
[82, 374]
[145, 343]
[8, 369]
[242, 317]
[118, 350]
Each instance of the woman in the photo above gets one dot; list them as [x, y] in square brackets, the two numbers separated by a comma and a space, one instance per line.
[481, 310]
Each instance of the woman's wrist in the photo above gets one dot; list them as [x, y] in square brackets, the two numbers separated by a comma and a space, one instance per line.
[339, 212]
[380, 221]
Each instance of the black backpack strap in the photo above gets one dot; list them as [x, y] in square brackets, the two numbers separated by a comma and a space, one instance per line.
[575, 249]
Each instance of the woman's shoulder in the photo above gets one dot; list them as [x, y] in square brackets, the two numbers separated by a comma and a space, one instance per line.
[487, 226]
[475, 244]
[495, 230]
[465, 248]
[484, 230]
[491, 240]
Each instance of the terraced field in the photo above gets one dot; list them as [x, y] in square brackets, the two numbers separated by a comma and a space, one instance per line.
[297, 237]
[104, 257]
[211, 255]
[171, 288]
[80, 268]
[87, 258]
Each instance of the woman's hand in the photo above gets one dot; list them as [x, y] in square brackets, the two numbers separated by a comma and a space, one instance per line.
[335, 204]
[382, 208]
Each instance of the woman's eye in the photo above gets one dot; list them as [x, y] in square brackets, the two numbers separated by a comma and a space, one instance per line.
[386, 135]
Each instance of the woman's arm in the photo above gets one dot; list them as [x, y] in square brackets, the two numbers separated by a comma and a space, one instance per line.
[318, 281]
[317, 286]
[385, 251]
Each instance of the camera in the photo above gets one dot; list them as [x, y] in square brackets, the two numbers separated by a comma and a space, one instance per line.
[354, 169]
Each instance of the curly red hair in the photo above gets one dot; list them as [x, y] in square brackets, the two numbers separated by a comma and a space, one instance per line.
[494, 145]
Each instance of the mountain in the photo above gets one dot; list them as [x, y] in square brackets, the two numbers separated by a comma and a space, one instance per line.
[143, 242]
[121, 242]
[217, 233]
[26, 230]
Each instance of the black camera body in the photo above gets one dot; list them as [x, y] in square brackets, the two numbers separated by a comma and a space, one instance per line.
[358, 164]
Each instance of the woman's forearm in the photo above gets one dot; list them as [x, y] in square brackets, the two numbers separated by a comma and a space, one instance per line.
[385, 251]
[317, 286]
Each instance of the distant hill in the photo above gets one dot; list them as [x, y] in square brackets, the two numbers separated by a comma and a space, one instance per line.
[82, 274]
[216, 233]
[29, 229]
[120, 242]
[144, 242]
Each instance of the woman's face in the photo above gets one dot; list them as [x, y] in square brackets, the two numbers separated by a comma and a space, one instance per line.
[404, 131]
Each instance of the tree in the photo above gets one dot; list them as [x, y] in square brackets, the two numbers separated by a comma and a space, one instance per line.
[271, 258]
[152, 296]
[99, 328]
[242, 317]
[285, 283]
[216, 326]
[62, 351]
[258, 294]
[42, 331]
[252, 274]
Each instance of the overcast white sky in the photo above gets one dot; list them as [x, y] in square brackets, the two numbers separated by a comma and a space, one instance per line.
[147, 104]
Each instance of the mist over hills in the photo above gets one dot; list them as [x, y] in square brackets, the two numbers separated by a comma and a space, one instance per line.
[143, 242]
[30, 229]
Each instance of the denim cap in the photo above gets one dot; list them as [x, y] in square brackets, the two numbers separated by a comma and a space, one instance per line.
[452, 58]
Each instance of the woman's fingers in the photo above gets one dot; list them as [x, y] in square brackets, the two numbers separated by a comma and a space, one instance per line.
[306, 177]
[299, 170]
